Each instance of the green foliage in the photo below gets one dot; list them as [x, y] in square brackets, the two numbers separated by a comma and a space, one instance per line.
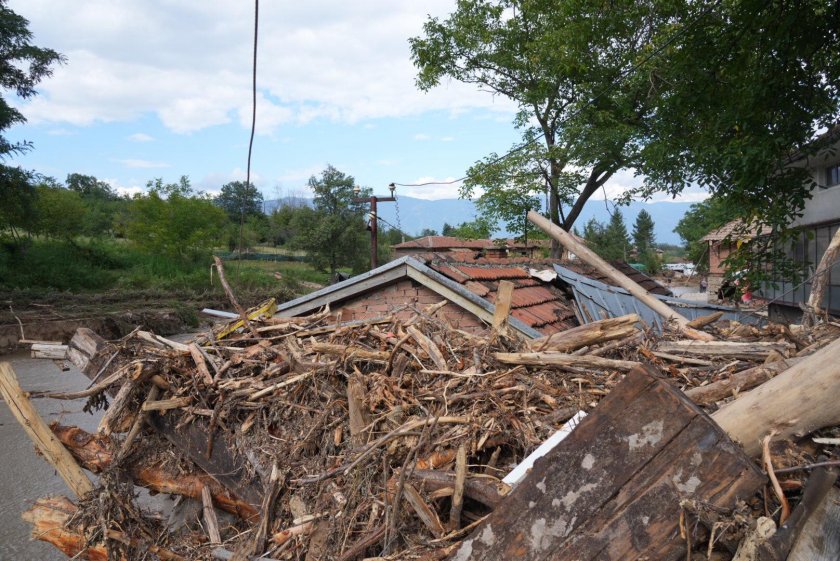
[333, 233]
[22, 66]
[171, 219]
[643, 236]
[701, 219]
[479, 229]
[427, 232]
[18, 196]
[61, 212]
[239, 199]
[551, 58]
[611, 242]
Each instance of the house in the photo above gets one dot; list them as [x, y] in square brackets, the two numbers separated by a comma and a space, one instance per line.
[469, 289]
[469, 284]
[816, 226]
[721, 243]
[489, 248]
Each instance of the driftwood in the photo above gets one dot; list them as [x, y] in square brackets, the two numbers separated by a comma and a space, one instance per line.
[738, 382]
[798, 401]
[94, 454]
[591, 258]
[40, 434]
[730, 349]
[48, 351]
[820, 281]
[612, 488]
[587, 335]
[562, 359]
[703, 321]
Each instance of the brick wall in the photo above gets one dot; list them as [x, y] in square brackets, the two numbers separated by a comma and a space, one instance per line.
[386, 299]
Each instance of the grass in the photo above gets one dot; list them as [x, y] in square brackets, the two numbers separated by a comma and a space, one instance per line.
[86, 266]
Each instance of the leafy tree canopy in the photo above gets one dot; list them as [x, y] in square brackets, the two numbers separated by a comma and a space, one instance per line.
[716, 94]
[643, 236]
[333, 232]
[240, 199]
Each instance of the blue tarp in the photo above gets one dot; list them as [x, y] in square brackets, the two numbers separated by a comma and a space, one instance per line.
[596, 300]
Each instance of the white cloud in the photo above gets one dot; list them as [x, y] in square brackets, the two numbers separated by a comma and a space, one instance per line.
[422, 137]
[61, 132]
[124, 189]
[143, 164]
[140, 137]
[447, 139]
[334, 60]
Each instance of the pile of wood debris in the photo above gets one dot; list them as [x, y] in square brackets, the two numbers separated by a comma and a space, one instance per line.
[387, 438]
[378, 438]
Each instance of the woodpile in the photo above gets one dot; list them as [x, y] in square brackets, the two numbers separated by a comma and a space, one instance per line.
[386, 439]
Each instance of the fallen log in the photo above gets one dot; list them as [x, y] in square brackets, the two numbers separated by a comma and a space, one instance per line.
[49, 351]
[813, 309]
[38, 431]
[562, 359]
[611, 490]
[738, 382]
[94, 452]
[758, 350]
[586, 335]
[591, 258]
[798, 401]
[703, 321]
[49, 518]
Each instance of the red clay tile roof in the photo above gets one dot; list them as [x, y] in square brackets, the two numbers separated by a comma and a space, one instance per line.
[538, 304]
[450, 242]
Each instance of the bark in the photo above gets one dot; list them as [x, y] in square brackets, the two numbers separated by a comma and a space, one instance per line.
[587, 335]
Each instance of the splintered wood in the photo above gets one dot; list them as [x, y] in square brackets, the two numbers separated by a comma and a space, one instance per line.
[389, 438]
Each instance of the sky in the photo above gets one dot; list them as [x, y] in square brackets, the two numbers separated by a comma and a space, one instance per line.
[162, 88]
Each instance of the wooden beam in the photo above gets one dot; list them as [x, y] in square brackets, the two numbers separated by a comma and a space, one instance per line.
[563, 359]
[591, 258]
[504, 298]
[798, 401]
[45, 442]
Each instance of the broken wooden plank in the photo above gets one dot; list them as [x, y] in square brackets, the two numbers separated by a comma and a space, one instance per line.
[798, 401]
[731, 349]
[612, 489]
[45, 442]
[591, 258]
[429, 347]
[562, 359]
[504, 299]
[210, 516]
[589, 334]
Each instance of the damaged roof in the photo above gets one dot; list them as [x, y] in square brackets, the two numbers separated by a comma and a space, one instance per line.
[536, 303]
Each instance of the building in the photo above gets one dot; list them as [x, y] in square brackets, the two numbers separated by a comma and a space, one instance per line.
[816, 226]
[721, 243]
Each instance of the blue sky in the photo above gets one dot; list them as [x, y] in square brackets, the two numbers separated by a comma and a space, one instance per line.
[161, 88]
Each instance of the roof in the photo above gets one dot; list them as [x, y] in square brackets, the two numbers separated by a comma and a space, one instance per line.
[734, 229]
[450, 242]
[536, 303]
[405, 267]
[636, 275]
[596, 300]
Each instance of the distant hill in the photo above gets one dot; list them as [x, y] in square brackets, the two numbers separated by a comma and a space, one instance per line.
[417, 214]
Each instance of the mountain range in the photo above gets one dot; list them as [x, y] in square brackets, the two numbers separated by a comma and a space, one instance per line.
[414, 215]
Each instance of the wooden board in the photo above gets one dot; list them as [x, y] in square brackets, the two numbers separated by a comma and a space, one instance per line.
[820, 538]
[612, 489]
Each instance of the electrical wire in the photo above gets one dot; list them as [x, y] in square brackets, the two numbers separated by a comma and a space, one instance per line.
[621, 76]
[253, 126]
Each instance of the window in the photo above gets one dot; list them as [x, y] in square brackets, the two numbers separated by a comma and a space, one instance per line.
[832, 175]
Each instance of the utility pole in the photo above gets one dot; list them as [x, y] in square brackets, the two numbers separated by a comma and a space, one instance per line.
[374, 218]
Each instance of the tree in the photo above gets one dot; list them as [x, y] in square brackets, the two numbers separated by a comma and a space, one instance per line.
[719, 94]
[427, 232]
[101, 201]
[558, 62]
[239, 200]
[616, 240]
[175, 220]
[61, 212]
[643, 237]
[479, 229]
[22, 67]
[334, 234]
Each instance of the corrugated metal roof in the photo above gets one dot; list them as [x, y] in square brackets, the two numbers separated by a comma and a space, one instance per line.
[596, 300]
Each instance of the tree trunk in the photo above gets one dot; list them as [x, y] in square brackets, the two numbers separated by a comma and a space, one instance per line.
[814, 306]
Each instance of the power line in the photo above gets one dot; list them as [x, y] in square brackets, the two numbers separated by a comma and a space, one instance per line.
[623, 74]
[253, 125]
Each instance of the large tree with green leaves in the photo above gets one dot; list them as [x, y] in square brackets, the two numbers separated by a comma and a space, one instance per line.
[333, 234]
[240, 200]
[719, 94]
[559, 62]
[22, 66]
[643, 236]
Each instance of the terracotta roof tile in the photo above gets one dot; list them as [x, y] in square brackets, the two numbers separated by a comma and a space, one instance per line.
[493, 273]
[530, 296]
[477, 288]
[451, 272]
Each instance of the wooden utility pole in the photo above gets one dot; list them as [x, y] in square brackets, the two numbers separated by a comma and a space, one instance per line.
[374, 218]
